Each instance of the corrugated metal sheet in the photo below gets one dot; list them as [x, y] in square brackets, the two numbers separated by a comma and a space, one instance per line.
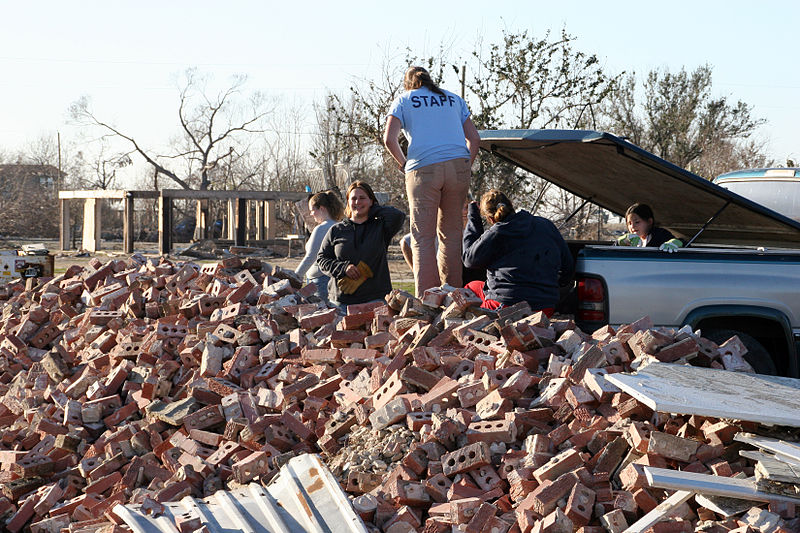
[303, 497]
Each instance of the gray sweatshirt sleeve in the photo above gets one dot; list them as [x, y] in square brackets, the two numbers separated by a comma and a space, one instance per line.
[312, 248]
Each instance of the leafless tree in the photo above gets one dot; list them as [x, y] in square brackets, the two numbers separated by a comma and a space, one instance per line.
[214, 131]
[210, 125]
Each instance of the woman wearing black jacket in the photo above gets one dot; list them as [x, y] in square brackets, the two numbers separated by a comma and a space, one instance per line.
[525, 256]
[363, 237]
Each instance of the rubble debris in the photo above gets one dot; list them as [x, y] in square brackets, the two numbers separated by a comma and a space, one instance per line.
[143, 381]
[777, 469]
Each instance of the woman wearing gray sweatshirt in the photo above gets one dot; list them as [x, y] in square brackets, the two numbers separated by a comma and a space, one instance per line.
[327, 210]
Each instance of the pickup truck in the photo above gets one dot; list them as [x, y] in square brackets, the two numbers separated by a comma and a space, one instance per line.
[738, 274]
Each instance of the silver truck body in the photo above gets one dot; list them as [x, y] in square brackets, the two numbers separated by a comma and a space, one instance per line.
[670, 287]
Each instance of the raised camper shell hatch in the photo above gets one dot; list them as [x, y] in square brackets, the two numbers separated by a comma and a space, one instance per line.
[614, 174]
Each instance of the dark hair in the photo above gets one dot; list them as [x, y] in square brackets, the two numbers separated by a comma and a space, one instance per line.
[364, 186]
[417, 77]
[496, 205]
[643, 211]
[330, 201]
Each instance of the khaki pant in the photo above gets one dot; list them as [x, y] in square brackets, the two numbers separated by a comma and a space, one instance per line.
[436, 197]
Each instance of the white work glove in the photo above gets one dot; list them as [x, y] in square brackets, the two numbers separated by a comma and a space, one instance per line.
[629, 239]
[671, 245]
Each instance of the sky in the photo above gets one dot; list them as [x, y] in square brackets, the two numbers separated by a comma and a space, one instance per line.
[127, 56]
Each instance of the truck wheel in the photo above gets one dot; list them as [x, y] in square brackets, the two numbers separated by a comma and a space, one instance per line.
[758, 356]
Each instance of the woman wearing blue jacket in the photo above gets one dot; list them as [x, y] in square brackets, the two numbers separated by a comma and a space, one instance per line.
[525, 256]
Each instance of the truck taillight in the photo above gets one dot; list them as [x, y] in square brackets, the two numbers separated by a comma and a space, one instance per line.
[591, 300]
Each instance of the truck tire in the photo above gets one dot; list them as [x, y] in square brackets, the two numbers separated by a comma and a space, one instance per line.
[758, 356]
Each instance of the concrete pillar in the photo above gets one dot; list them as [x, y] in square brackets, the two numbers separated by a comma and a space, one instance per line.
[201, 228]
[241, 222]
[64, 229]
[231, 225]
[164, 225]
[127, 224]
[92, 224]
[259, 222]
[272, 219]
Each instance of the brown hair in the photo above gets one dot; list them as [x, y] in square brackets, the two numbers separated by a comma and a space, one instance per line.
[364, 186]
[417, 77]
[330, 201]
[496, 205]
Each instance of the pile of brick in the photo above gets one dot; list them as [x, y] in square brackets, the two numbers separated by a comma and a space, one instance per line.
[143, 381]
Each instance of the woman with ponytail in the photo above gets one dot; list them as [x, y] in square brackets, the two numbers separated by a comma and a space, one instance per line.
[327, 209]
[525, 256]
[442, 144]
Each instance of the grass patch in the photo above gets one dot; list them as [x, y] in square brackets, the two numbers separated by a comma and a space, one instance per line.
[407, 286]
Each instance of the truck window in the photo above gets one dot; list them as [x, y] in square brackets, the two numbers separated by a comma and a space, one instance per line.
[779, 194]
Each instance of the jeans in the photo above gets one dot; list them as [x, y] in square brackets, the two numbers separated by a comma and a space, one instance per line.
[322, 286]
[436, 197]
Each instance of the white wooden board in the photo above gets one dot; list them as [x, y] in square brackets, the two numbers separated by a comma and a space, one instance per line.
[783, 450]
[691, 390]
[744, 489]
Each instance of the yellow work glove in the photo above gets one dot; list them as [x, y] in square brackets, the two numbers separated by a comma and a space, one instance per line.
[349, 286]
[346, 285]
[366, 271]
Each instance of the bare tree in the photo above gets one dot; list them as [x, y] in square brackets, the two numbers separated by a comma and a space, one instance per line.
[29, 182]
[523, 82]
[285, 155]
[209, 126]
[100, 172]
[213, 127]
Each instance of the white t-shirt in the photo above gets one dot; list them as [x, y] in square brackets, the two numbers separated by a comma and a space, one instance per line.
[433, 124]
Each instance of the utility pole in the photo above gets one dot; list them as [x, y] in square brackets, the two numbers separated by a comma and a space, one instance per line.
[58, 178]
[463, 79]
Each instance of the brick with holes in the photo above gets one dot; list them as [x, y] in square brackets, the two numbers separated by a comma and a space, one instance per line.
[465, 459]
[254, 465]
[568, 460]
[493, 406]
[492, 431]
[390, 413]
[441, 396]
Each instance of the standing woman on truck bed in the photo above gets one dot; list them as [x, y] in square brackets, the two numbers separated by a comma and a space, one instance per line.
[525, 256]
[354, 251]
[644, 232]
[442, 144]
